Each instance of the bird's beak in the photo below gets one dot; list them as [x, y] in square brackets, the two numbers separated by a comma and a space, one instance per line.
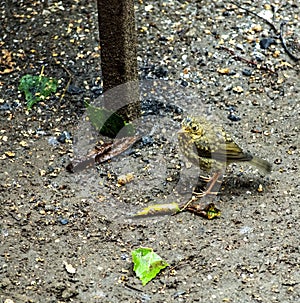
[182, 130]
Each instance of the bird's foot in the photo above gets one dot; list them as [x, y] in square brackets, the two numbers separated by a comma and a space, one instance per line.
[209, 211]
[209, 179]
[202, 194]
[204, 178]
[195, 197]
[208, 191]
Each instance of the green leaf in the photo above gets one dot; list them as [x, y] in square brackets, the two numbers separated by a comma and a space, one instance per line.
[213, 212]
[108, 123]
[37, 88]
[147, 264]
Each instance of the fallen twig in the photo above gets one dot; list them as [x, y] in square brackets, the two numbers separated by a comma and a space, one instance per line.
[206, 210]
[284, 43]
[68, 83]
[102, 153]
[277, 32]
[255, 14]
[258, 66]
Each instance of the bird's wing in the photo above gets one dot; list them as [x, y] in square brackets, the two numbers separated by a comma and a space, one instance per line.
[226, 151]
[234, 152]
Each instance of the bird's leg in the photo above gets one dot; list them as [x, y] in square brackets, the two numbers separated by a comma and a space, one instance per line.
[182, 208]
[196, 195]
[205, 179]
[212, 181]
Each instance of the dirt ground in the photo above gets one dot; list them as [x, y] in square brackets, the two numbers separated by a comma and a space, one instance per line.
[68, 237]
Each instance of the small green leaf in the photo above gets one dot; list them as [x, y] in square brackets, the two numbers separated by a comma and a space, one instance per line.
[36, 88]
[147, 264]
[108, 123]
[213, 212]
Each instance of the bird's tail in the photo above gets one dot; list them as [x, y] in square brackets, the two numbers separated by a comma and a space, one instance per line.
[263, 165]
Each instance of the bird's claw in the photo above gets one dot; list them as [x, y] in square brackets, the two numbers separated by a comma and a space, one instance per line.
[203, 194]
[208, 179]
[208, 211]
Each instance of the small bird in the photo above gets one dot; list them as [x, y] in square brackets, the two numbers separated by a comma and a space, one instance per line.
[212, 149]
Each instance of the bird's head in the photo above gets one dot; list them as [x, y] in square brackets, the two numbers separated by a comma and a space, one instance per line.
[192, 126]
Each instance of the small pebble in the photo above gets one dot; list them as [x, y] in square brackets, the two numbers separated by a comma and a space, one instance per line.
[233, 117]
[69, 268]
[64, 221]
[238, 89]
[259, 57]
[239, 46]
[97, 90]
[179, 293]
[245, 230]
[53, 141]
[63, 137]
[266, 42]
[232, 73]
[24, 143]
[148, 8]
[124, 179]
[257, 130]
[124, 257]
[160, 72]
[10, 154]
[74, 90]
[247, 72]
[278, 161]
[147, 140]
[184, 83]
[145, 297]
[225, 70]
[5, 106]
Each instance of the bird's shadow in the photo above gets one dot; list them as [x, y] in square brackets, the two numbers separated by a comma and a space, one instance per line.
[237, 184]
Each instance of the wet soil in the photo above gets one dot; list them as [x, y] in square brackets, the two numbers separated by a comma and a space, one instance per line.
[68, 237]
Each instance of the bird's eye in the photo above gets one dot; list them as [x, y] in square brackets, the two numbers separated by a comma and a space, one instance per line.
[194, 127]
[190, 124]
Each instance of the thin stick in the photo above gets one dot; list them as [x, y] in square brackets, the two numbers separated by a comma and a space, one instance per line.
[284, 43]
[277, 32]
[67, 86]
[246, 60]
[255, 14]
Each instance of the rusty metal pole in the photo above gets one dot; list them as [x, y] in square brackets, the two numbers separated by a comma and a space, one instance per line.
[118, 55]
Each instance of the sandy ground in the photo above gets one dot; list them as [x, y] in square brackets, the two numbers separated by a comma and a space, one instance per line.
[51, 219]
